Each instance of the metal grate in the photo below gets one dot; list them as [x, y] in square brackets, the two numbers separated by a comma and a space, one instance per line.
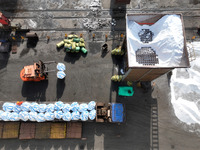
[145, 35]
[146, 56]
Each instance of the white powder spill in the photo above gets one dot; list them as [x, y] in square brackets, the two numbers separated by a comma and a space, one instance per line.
[185, 90]
[83, 4]
[167, 40]
[93, 22]
[32, 23]
[59, 3]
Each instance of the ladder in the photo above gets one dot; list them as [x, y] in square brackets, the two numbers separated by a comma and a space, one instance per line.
[154, 127]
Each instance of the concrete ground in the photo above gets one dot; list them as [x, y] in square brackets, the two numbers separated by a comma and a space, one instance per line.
[88, 76]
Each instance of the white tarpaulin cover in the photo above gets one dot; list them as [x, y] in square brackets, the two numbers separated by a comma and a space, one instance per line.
[167, 41]
[185, 90]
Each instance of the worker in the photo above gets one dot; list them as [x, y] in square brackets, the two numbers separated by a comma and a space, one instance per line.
[93, 36]
[48, 38]
[65, 36]
[106, 37]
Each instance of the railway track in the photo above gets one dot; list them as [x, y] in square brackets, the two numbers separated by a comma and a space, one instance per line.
[55, 15]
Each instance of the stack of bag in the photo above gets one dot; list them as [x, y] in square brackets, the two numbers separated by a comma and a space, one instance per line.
[48, 112]
[117, 78]
[117, 51]
[61, 68]
[73, 44]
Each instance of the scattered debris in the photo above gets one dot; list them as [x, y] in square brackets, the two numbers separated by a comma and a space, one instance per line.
[58, 2]
[113, 22]
[32, 23]
[95, 7]
[92, 22]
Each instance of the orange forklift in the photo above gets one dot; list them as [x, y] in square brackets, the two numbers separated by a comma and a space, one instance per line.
[36, 72]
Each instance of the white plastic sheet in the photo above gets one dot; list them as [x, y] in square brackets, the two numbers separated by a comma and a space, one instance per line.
[66, 108]
[59, 105]
[32, 116]
[25, 106]
[34, 107]
[49, 116]
[24, 115]
[40, 117]
[84, 115]
[91, 105]
[61, 67]
[50, 108]
[83, 107]
[13, 116]
[92, 114]
[67, 116]
[75, 115]
[8, 106]
[58, 114]
[42, 108]
[75, 106]
[61, 75]
[5, 116]
[17, 108]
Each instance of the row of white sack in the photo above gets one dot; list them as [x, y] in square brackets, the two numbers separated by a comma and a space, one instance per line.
[48, 116]
[57, 106]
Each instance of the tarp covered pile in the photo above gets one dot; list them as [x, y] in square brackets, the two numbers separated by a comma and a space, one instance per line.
[165, 37]
[48, 112]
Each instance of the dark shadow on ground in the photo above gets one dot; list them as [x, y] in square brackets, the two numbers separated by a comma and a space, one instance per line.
[30, 45]
[26, 51]
[4, 60]
[136, 129]
[9, 7]
[117, 13]
[118, 60]
[72, 57]
[60, 88]
[63, 144]
[35, 91]
[6, 46]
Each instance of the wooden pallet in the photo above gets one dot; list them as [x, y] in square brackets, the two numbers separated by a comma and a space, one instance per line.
[10, 130]
[74, 130]
[42, 130]
[58, 130]
[27, 130]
